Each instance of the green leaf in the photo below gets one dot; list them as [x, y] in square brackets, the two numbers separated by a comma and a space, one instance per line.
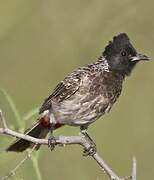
[14, 109]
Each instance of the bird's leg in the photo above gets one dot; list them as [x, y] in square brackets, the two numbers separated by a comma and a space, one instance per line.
[51, 140]
[92, 148]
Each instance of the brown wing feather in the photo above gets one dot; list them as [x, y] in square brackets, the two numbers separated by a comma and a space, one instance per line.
[63, 90]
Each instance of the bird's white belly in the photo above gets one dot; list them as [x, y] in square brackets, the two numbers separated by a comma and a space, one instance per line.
[78, 112]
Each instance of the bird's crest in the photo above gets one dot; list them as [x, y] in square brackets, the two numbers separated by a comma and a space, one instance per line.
[117, 43]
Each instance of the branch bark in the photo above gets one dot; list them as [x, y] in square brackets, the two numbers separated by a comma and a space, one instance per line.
[68, 140]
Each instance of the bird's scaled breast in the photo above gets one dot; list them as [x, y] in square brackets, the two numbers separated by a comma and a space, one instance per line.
[94, 98]
[82, 109]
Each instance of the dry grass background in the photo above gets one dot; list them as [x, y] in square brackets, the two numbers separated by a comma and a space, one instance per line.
[41, 42]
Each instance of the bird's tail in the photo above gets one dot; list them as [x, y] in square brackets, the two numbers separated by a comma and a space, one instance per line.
[37, 131]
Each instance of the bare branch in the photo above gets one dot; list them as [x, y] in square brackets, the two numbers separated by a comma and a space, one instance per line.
[134, 169]
[66, 140]
[13, 171]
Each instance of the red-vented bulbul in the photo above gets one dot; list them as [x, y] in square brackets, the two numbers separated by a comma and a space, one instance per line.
[87, 93]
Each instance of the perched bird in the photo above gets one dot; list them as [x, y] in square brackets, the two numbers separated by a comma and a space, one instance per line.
[87, 93]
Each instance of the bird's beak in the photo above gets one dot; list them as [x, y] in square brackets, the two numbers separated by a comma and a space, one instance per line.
[139, 57]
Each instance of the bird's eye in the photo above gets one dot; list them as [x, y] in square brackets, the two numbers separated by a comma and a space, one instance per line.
[123, 53]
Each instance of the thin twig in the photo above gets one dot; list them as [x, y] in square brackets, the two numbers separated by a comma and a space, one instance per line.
[67, 140]
[13, 171]
[134, 169]
[105, 167]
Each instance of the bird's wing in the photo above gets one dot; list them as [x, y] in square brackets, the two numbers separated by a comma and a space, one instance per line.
[63, 90]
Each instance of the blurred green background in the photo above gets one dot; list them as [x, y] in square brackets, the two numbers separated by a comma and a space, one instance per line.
[40, 43]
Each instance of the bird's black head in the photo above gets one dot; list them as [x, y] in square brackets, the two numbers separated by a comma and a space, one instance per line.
[121, 55]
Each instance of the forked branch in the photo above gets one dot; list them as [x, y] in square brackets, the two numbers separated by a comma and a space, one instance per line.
[68, 140]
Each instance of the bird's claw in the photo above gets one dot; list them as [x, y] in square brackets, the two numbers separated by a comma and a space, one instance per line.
[52, 142]
[89, 151]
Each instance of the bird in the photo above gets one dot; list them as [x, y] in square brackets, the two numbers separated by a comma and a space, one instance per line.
[86, 94]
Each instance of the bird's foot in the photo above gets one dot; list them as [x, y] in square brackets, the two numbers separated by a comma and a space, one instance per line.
[90, 151]
[51, 142]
